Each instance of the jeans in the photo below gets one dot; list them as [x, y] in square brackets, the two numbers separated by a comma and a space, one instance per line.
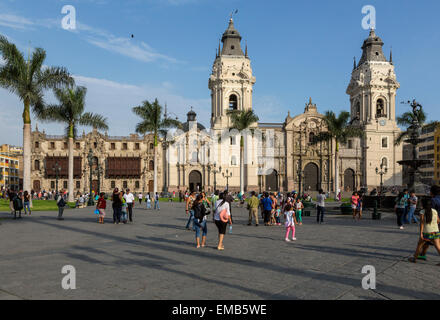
[156, 205]
[411, 215]
[130, 211]
[400, 212]
[60, 212]
[27, 206]
[405, 215]
[299, 216]
[191, 218]
[320, 212]
[200, 226]
[117, 211]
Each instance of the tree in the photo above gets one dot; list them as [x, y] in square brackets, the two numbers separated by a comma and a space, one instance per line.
[242, 120]
[406, 120]
[28, 80]
[154, 122]
[339, 130]
[70, 111]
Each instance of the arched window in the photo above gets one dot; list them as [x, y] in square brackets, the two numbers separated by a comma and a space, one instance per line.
[380, 108]
[37, 165]
[358, 109]
[233, 161]
[311, 137]
[233, 102]
[151, 146]
[385, 162]
[151, 165]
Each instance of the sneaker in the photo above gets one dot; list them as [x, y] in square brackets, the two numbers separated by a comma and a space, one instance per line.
[287, 240]
[422, 258]
[401, 228]
[256, 225]
[293, 239]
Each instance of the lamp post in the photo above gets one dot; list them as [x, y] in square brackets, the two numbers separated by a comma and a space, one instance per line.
[57, 169]
[227, 175]
[260, 176]
[100, 172]
[300, 179]
[383, 170]
[216, 171]
[90, 158]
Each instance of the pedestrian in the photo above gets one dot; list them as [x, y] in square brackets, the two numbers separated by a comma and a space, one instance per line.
[101, 206]
[214, 199]
[299, 208]
[429, 229]
[412, 207]
[221, 218]
[200, 214]
[278, 215]
[267, 208]
[156, 202]
[189, 211]
[117, 206]
[26, 203]
[435, 199]
[359, 206]
[129, 200]
[61, 203]
[148, 201]
[290, 219]
[140, 197]
[399, 209]
[124, 217]
[320, 206]
[406, 211]
[354, 204]
[253, 204]
[18, 205]
[230, 199]
[11, 196]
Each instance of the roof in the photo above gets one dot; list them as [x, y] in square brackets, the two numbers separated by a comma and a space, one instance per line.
[372, 49]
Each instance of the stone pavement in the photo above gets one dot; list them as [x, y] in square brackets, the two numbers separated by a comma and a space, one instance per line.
[155, 258]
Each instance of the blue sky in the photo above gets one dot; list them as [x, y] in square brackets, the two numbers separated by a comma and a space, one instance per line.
[298, 49]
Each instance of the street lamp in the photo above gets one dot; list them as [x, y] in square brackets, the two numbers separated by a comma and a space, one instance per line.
[383, 170]
[216, 171]
[300, 175]
[227, 175]
[90, 158]
[57, 169]
[260, 176]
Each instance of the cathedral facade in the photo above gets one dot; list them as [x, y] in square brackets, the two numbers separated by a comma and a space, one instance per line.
[275, 156]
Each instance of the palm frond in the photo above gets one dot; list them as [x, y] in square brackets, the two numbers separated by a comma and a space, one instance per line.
[93, 120]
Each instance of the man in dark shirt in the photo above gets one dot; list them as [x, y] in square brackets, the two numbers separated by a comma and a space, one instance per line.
[266, 203]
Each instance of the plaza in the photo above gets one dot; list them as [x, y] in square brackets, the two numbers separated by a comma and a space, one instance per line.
[155, 258]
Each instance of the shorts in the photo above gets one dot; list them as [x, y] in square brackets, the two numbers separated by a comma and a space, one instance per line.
[221, 226]
[431, 236]
[354, 207]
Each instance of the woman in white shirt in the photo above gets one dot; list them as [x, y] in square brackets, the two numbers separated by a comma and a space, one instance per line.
[221, 218]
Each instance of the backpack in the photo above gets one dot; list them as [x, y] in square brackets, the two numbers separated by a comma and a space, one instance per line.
[61, 203]
[18, 203]
[199, 211]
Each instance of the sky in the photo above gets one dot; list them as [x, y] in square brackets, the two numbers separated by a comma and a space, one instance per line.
[298, 49]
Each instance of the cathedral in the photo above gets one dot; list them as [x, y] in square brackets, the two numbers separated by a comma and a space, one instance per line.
[275, 156]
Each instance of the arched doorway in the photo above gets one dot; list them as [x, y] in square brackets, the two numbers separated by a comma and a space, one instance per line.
[195, 181]
[272, 181]
[311, 177]
[349, 180]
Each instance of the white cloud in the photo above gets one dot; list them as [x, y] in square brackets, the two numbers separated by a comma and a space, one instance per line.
[15, 22]
[112, 99]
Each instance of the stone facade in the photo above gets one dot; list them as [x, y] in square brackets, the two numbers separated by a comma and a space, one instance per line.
[48, 150]
[277, 156]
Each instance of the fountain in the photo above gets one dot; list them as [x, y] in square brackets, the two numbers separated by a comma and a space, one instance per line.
[415, 163]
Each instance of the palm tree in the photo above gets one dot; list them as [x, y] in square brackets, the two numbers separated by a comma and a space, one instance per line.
[28, 80]
[406, 120]
[339, 130]
[70, 111]
[154, 122]
[242, 120]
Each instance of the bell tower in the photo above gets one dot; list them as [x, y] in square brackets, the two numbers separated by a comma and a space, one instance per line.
[372, 92]
[231, 82]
